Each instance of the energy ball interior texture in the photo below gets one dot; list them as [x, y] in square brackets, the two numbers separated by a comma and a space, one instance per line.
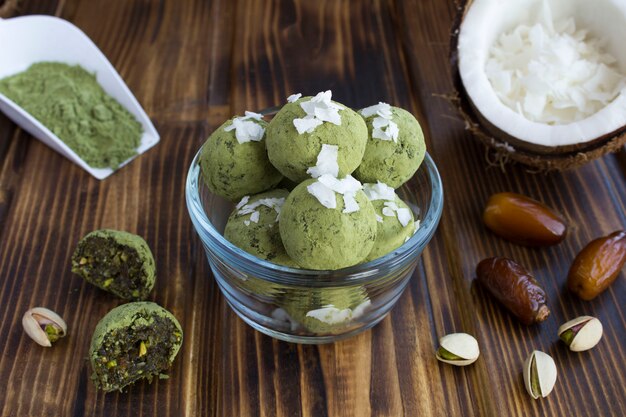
[116, 261]
[253, 227]
[234, 161]
[293, 153]
[133, 341]
[390, 161]
[395, 226]
[321, 238]
[326, 310]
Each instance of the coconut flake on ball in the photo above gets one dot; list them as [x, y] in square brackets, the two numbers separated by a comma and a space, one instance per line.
[383, 126]
[273, 203]
[243, 202]
[379, 191]
[326, 162]
[318, 109]
[294, 97]
[326, 186]
[330, 314]
[246, 130]
[391, 209]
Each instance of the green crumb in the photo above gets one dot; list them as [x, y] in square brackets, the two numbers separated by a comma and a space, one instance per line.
[133, 341]
[69, 101]
[116, 261]
[448, 355]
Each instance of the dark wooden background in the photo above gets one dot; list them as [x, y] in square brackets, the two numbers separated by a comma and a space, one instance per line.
[192, 64]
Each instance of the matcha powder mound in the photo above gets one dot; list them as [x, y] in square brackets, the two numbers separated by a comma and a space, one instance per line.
[69, 101]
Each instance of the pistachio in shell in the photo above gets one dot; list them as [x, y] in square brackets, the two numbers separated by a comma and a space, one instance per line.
[539, 374]
[581, 333]
[44, 326]
[458, 349]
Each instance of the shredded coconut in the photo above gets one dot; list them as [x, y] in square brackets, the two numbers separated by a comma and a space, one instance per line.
[318, 109]
[254, 217]
[551, 72]
[246, 129]
[383, 126]
[326, 162]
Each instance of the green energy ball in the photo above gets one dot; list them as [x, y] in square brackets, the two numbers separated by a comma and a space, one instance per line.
[326, 311]
[234, 161]
[293, 153]
[253, 227]
[394, 218]
[395, 147]
[318, 237]
[133, 341]
[118, 262]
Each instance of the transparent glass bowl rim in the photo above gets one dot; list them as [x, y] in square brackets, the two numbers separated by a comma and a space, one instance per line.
[359, 274]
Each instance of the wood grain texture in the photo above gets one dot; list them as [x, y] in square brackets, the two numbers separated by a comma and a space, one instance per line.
[192, 64]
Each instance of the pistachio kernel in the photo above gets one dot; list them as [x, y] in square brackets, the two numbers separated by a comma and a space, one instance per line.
[44, 326]
[448, 355]
[142, 349]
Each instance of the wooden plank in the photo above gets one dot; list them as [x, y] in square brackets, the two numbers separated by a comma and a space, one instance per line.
[193, 64]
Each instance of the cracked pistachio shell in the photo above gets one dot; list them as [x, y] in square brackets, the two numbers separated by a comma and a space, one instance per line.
[35, 321]
[586, 336]
[540, 372]
[462, 345]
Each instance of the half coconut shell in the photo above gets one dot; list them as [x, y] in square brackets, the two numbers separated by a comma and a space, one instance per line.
[8, 8]
[508, 148]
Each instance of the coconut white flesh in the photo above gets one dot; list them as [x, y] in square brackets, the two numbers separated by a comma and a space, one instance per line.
[487, 20]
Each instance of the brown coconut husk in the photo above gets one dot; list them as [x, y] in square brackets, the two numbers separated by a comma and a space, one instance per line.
[505, 148]
[8, 7]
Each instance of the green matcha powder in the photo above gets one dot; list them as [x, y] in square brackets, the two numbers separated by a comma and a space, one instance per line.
[69, 101]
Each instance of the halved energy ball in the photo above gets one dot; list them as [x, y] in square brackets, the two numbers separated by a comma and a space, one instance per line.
[395, 146]
[116, 261]
[133, 341]
[394, 218]
[234, 161]
[296, 134]
[253, 227]
[327, 223]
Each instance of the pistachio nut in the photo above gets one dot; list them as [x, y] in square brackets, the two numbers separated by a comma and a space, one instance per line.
[581, 333]
[539, 374]
[458, 349]
[43, 326]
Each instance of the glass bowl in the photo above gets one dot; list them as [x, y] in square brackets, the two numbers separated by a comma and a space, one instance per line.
[306, 306]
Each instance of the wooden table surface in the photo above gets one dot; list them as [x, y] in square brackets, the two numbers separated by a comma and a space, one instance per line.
[194, 63]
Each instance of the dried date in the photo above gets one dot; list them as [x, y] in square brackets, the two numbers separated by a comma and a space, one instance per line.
[515, 287]
[596, 266]
[523, 220]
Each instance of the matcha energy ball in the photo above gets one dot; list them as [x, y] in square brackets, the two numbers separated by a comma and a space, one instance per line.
[253, 227]
[327, 223]
[234, 160]
[394, 218]
[296, 134]
[133, 341]
[326, 311]
[118, 262]
[395, 147]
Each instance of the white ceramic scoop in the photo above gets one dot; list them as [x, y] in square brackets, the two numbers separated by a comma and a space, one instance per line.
[30, 39]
